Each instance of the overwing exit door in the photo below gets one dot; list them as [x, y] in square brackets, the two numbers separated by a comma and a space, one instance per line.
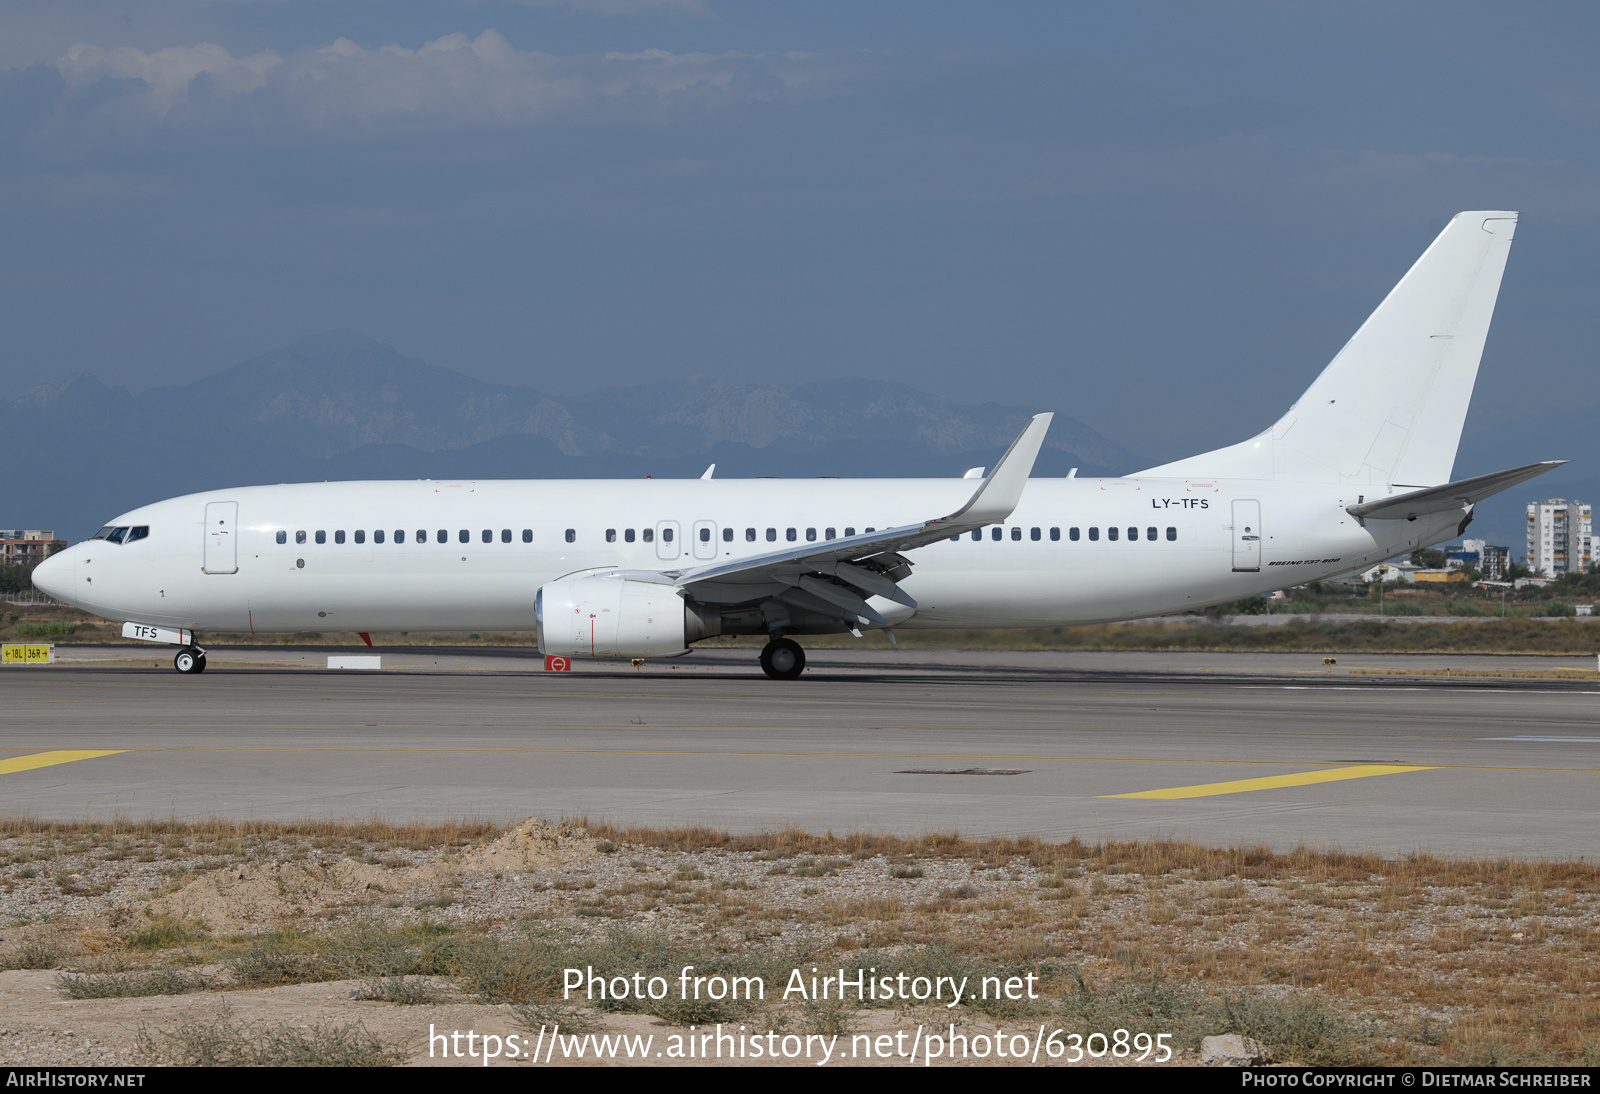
[705, 539]
[1246, 535]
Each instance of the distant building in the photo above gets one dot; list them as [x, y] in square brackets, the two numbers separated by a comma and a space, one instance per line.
[1558, 537]
[1481, 555]
[26, 546]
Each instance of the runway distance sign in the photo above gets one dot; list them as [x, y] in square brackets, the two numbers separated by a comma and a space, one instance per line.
[38, 653]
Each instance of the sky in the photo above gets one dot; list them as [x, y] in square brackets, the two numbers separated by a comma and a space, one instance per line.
[1159, 218]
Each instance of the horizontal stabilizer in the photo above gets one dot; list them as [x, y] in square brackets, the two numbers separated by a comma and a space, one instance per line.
[1452, 495]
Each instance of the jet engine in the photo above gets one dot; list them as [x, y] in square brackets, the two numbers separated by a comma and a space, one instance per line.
[613, 615]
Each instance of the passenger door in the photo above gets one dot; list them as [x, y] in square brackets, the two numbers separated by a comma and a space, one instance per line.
[1246, 535]
[222, 548]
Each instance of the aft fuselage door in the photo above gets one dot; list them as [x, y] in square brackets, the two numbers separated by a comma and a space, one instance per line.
[668, 546]
[1246, 535]
[705, 539]
[222, 551]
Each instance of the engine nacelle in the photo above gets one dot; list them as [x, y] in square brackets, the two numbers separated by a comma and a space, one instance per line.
[610, 615]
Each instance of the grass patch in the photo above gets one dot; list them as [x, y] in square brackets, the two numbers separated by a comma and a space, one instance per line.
[128, 985]
[225, 1041]
[164, 933]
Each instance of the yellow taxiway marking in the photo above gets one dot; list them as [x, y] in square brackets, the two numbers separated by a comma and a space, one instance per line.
[50, 759]
[1274, 782]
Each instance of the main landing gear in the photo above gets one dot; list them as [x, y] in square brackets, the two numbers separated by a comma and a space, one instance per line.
[782, 659]
[190, 659]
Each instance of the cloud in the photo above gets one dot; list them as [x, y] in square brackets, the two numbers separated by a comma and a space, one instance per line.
[696, 8]
[452, 82]
[167, 73]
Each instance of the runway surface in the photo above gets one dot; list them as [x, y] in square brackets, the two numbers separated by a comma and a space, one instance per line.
[1223, 748]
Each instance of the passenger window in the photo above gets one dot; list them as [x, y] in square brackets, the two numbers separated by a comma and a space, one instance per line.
[811, 535]
[772, 535]
[791, 535]
[300, 536]
[851, 531]
[505, 535]
[1016, 534]
[827, 533]
[527, 535]
[572, 535]
[377, 535]
[361, 535]
[977, 534]
[1133, 534]
[871, 530]
[627, 535]
[422, 535]
[488, 535]
[611, 535]
[749, 535]
[338, 537]
[283, 537]
[464, 535]
[666, 535]
[1112, 533]
[1150, 534]
[1055, 534]
[649, 535]
[1172, 533]
[1033, 534]
[705, 535]
[443, 536]
[322, 537]
[996, 533]
[1094, 534]
[727, 535]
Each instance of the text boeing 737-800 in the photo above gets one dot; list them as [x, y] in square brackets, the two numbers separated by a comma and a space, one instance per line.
[1357, 471]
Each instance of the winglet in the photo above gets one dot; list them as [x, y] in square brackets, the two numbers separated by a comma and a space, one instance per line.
[999, 493]
[709, 471]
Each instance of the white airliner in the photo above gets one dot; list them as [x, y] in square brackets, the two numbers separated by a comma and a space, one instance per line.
[1357, 471]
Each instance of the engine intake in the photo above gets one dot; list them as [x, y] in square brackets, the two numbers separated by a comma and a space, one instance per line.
[610, 615]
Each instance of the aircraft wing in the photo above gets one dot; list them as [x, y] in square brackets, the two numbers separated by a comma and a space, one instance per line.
[1452, 495]
[836, 576]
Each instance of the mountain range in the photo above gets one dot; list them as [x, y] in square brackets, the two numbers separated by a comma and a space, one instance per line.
[342, 406]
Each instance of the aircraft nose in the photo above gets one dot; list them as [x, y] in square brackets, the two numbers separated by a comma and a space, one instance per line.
[54, 574]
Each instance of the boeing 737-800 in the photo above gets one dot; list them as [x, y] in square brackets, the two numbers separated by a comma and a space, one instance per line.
[1358, 470]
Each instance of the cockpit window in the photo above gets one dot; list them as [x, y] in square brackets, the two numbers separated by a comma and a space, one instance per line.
[113, 533]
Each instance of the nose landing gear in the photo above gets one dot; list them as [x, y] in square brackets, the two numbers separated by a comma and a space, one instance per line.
[190, 659]
[783, 659]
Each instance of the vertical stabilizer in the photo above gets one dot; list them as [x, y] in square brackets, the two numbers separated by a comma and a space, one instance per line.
[1388, 410]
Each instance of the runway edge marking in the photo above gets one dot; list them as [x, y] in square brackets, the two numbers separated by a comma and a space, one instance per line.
[1275, 782]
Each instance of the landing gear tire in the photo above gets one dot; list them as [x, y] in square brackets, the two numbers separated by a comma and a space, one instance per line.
[782, 659]
[189, 660]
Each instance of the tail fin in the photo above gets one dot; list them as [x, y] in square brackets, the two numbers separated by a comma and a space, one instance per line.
[1388, 409]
